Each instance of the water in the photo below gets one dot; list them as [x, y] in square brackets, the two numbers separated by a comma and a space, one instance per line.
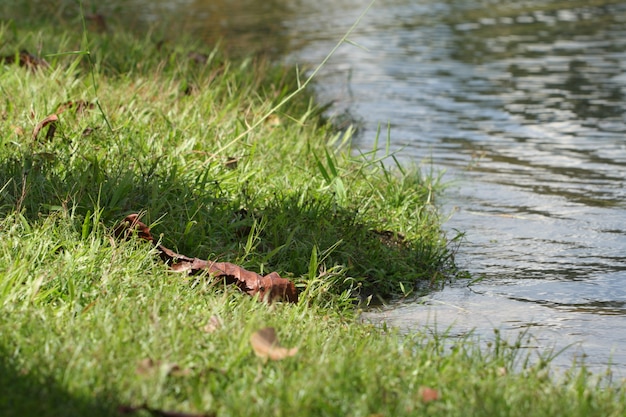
[522, 103]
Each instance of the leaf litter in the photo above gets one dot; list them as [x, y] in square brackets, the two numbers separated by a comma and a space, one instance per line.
[271, 287]
[266, 346]
[50, 121]
[129, 409]
[25, 59]
[214, 324]
[428, 394]
[149, 366]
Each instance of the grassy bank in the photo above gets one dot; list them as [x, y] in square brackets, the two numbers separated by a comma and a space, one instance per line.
[91, 324]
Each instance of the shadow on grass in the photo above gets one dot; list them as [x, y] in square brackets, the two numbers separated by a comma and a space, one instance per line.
[30, 394]
[195, 214]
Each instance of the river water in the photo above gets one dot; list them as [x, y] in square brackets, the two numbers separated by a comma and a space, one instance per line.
[521, 104]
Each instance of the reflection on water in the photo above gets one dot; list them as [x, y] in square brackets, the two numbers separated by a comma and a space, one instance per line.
[522, 103]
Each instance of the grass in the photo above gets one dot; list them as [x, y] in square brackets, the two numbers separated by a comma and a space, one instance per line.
[89, 323]
[284, 189]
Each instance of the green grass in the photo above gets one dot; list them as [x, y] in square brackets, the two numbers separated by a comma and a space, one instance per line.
[293, 181]
[81, 311]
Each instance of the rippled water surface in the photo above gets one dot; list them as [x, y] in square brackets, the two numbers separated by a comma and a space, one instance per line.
[524, 107]
[522, 103]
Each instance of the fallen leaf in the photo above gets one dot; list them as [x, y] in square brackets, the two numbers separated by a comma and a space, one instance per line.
[198, 57]
[79, 106]
[214, 324]
[148, 366]
[97, 21]
[131, 225]
[88, 131]
[269, 288]
[18, 130]
[265, 345]
[25, 59]
[231, 162]
[391, 239]
[175, 370]
[50, 120]
[145, 366]
[273, 120]
[129, 409]
[427, 394]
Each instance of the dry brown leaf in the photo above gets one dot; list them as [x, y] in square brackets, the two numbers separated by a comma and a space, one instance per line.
[25, 59]
[148, 366]
[129, 409]
[79, 106]
[231, 162]
[18, 130]
[97, 22]
[198, 58]
[270, 287]
[175, 370]
[214, 324]
[51, 120]
[145, 366]
[427, 394]
[273, 120]
[265, 345]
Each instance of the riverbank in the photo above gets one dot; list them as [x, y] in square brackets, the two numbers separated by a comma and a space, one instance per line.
[95, 324]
